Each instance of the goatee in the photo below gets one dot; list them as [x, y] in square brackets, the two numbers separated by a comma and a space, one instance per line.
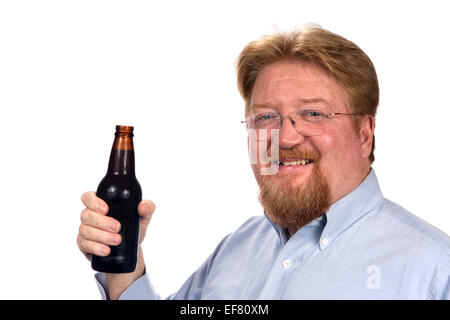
[292, 207]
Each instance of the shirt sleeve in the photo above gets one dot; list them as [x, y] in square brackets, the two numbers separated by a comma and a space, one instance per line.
[142, 289]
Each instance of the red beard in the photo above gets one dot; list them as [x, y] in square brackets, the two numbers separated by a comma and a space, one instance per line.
[290, 206]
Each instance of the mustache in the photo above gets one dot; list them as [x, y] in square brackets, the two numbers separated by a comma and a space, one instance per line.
[296, 153]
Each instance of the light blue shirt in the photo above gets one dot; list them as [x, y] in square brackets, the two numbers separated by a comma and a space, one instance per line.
[364, 247]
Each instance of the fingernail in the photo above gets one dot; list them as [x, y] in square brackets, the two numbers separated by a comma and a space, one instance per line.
[114, 227]
[105, 251]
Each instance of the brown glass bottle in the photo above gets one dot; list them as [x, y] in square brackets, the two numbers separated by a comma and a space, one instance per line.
[122, 192]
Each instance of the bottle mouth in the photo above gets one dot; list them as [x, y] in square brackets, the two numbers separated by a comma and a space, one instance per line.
[124, 131]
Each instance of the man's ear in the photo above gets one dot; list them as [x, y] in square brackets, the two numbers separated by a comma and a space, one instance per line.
[366, 131]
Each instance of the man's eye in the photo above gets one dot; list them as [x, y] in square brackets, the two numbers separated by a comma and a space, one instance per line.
[313, 113]
[266, 116]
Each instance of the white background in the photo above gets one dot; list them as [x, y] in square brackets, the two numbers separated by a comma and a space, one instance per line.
[71, 70]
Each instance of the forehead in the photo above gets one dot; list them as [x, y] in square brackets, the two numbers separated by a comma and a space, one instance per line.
[282, 83]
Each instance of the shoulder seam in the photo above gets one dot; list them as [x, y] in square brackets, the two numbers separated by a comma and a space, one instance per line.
[424, 234]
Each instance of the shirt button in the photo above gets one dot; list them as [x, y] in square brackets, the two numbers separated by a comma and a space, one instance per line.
[324, 242]
[286, 264]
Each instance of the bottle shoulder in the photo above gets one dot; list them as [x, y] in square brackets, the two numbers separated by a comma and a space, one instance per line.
[119, 187]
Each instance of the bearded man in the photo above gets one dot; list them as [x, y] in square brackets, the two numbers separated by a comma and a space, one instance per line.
[326, 232]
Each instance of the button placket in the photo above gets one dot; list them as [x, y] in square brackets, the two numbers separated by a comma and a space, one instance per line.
[287, 264]
[324, 242]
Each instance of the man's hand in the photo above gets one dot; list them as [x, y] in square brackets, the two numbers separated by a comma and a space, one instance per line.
[98, 231]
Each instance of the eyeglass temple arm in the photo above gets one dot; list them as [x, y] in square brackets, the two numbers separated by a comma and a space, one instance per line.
[344, 114]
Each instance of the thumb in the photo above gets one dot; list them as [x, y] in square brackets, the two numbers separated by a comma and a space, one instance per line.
[145, 210]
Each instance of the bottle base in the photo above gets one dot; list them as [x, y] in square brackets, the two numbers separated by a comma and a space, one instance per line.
[112, 264]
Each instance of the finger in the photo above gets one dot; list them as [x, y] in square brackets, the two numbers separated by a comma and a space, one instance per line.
[99, 221]
[100, 236]
[86, 254]
[91, 201]
[146, 209]
[88, 247]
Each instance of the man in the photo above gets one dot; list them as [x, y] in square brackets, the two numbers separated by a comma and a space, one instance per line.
[327, 232]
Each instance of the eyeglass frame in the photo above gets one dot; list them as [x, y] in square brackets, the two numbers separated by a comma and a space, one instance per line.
[326, 115]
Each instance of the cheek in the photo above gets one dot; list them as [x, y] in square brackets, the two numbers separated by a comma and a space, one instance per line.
[256, 171]
[338, 150]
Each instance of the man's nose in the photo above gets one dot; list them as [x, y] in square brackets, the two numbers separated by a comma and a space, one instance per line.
[289, 136]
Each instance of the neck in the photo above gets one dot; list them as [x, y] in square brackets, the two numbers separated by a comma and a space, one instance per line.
[121, 160]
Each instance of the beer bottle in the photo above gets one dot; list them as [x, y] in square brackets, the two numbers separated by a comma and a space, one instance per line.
[122, 192]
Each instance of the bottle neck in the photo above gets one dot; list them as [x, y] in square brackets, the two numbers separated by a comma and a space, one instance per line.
[121, 160]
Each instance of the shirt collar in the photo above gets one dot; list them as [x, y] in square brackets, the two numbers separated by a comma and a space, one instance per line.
[344, 212]
[349, 209]
[281, 232]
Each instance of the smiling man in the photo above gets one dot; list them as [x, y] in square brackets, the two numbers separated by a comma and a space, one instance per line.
[323, 155]
[326, 232]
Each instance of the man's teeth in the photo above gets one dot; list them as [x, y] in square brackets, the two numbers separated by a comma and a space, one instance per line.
[295, 163]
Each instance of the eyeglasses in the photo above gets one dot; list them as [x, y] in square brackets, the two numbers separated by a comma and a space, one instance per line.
[308, 122]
